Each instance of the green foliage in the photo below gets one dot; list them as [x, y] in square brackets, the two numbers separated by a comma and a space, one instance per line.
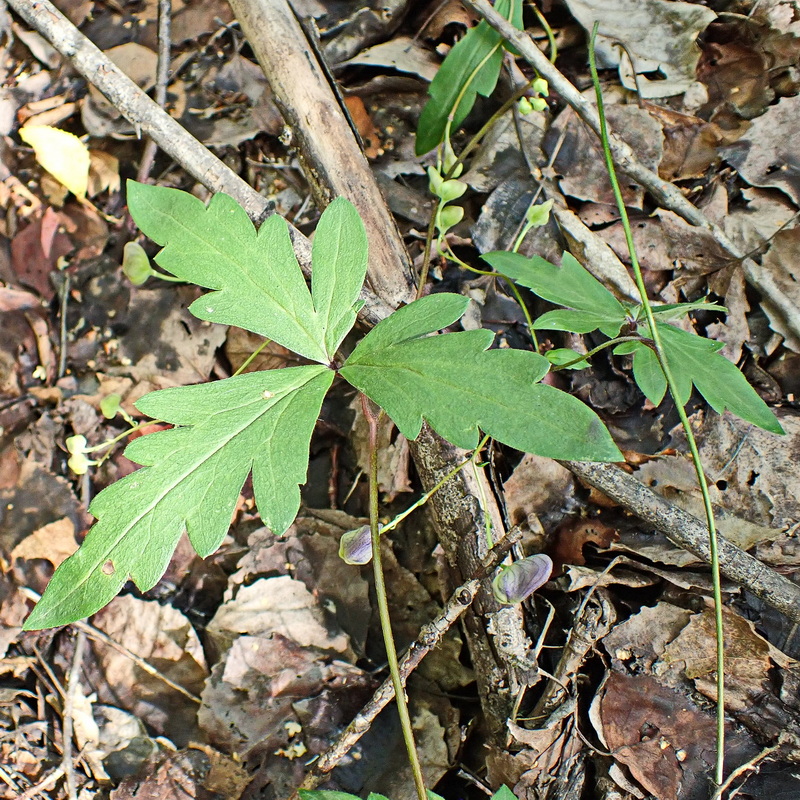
[458, 386]
[590, 306]
[262, 422]
[471, 68]
[257, 280]
[191, 481]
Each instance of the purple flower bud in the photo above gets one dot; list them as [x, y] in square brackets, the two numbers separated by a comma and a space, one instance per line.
[518, 581]
[355, 547]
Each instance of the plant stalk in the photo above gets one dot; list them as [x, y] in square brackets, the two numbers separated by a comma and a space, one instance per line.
[695, 453]
[383, 603]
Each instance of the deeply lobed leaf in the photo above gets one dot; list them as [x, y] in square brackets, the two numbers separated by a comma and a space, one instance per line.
[569, 285]
[257, 282]
[459, 386]
[191, 479]
[695, 360]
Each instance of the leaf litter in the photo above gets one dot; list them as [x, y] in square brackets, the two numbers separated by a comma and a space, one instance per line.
[275, 693]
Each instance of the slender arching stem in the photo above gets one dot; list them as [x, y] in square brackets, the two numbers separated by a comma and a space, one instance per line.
[667, 370]
[372, 416]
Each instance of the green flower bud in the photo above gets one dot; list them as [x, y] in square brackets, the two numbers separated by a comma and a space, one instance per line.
[540, 87]
[434, 181]
[451, 190]
[109, 405]
[447, 217]
[538, 214]
[524, 106]
[78, 463]
[136, 264]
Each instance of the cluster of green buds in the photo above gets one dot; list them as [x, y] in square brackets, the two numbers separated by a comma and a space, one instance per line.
[447, 190]
[77, 448]
[535, 102]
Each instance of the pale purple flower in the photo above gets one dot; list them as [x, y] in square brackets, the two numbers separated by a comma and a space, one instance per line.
[355, 547]
[518, 581]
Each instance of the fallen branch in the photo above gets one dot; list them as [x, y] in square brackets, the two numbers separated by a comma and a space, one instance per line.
[688, 532]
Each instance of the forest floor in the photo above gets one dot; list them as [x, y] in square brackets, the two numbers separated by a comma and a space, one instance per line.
[229, 677]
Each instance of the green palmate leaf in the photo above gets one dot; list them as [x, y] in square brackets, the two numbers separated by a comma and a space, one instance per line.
[339, 258]
[459, 386]
[695, 360]
[257, 281]
[471, 68]
[191, 481]
[569, 285]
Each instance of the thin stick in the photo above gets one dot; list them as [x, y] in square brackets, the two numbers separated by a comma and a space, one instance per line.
[100, 636]
[162, 80]
[40, 787]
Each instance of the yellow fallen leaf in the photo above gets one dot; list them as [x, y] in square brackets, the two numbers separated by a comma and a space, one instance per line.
[62, 154]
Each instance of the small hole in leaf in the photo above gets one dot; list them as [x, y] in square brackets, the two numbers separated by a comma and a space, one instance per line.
[753, 477]
[109, 568]
[721, 485]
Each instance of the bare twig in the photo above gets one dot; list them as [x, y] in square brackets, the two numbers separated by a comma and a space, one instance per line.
[42, 786]
[104, 638]
[668, 196]
[162, 80]
[430, 636]
[170, 136]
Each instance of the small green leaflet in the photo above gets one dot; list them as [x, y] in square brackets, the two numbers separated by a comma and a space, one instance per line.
[257, 282]
[481, 49]
[590, 306]
[192, 476]
[695, 360]
[459, 386]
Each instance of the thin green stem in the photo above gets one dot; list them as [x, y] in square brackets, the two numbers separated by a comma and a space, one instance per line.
[164, 277]
[551, 38]
[665, 366]
[121, 436]
[426, 256]
[249, 360]
[595, 350]
[390, 526]
[383, 603]
[448, 253]
[487, 126]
